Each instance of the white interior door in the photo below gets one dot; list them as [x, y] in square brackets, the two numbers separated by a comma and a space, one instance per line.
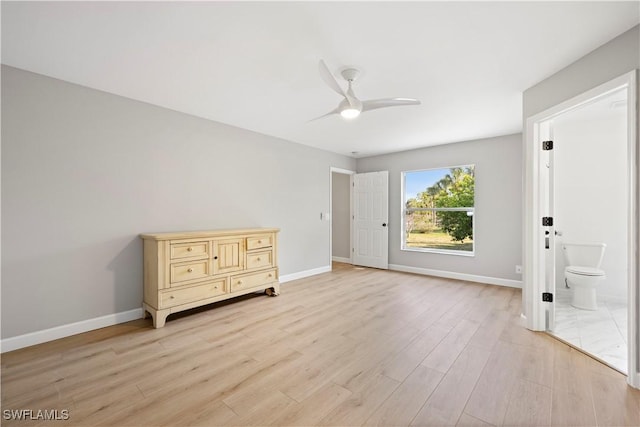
[547, 198]
[371, 219]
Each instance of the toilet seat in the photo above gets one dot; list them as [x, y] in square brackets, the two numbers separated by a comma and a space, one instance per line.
[584, 271]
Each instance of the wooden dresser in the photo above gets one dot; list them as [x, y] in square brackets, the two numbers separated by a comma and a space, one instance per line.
[190, 269]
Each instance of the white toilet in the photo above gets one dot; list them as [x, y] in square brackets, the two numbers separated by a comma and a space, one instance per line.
[582, 272]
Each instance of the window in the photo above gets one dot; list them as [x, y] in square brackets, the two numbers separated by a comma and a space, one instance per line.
[438, 208]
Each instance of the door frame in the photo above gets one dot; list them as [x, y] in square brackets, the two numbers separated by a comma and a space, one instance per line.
[349, 172]
[533, 238]
[547, 207]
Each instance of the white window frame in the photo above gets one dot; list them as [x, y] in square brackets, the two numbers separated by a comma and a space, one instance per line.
[404, 210]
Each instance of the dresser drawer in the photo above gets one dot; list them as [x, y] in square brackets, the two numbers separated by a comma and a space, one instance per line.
[191, 270]
[259, 259]
[253, 280]
[189, 250]
[259, 241]
[192, 293]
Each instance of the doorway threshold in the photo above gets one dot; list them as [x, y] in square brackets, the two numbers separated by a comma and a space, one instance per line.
[586, 353]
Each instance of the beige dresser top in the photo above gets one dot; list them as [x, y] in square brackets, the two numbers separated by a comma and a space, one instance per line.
[206, 233]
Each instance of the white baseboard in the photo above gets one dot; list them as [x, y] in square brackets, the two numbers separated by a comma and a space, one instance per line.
[341, 259]
[38, 337]
[303, 274]
[459, 276]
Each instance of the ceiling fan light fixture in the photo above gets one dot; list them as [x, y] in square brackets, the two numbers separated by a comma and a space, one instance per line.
[351, 107]
[350, 113]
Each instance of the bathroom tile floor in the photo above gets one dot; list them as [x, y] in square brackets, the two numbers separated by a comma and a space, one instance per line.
[602, 333]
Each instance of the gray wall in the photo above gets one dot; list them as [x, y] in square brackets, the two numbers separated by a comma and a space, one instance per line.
[498, 214]
[84, 172]
[613, 59]
[340, 207]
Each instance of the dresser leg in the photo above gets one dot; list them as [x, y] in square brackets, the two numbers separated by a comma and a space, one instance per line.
[147, 311]
[159, 318]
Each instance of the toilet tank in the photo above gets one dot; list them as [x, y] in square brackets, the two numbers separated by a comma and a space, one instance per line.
[583, 254]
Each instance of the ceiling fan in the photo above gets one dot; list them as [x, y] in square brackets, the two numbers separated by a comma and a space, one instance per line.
[351, 107]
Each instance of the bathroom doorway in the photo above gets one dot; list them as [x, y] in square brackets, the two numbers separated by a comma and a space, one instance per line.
[590, 215]
[587, 194]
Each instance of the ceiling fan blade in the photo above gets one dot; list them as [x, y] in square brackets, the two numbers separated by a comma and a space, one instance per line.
[374, 104]
[329, 79]
[333, 83]
[334, 111]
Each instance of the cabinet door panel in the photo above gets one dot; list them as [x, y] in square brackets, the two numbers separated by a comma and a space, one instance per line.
[228, 255]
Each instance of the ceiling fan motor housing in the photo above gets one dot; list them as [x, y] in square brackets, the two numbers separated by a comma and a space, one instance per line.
[350, 74]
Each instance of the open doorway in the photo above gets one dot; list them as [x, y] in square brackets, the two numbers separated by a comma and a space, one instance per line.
[590, 193]
[581, 224]
[341, 216]
[360, 217]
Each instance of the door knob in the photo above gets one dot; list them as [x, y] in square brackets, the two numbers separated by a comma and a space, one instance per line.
[384, 224]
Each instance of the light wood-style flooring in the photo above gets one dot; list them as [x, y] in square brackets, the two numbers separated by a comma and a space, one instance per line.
[352, 347]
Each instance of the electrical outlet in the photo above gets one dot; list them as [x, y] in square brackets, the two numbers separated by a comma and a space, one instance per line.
[518, 269]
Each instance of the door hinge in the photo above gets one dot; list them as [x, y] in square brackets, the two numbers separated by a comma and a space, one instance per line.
[547, 145]
[353, 249]
[547, 297]
[547, 221]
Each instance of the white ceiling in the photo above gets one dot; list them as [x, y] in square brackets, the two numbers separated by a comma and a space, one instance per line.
[254, 65]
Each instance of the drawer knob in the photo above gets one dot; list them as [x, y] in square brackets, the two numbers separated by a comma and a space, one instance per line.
[259, 241]
[189, 270]
[270, 275]
[239, 282]
[171, 297]
[189, 248]
[215, 257]
[258, 259]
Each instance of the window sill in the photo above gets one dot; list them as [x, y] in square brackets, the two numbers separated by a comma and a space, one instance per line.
[440, 251]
